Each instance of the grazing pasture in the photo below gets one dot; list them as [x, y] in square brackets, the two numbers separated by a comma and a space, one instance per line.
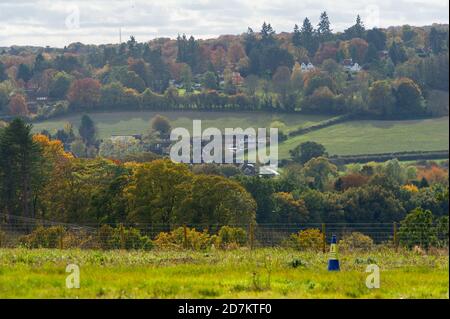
[125, 123]
[372, 137]
[349, 138]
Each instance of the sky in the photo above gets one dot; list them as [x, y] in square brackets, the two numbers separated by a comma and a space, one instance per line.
[58, 23]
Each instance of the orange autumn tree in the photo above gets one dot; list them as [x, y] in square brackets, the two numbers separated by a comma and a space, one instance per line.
[434, 175]
[84, 93]
[51, 149]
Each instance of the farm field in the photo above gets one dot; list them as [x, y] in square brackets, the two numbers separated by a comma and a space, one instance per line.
[355, 137]
[126, 123]
[372, 137]
[262, 273]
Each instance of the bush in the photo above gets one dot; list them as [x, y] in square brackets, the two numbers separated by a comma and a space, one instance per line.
[79, 239]
[175, 239]
[356, 241]
[306, 240]
[418, 229]
[123, 238]
[231, 237]
[42, 237]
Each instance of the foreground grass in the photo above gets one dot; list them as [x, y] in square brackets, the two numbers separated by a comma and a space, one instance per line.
[264, 273]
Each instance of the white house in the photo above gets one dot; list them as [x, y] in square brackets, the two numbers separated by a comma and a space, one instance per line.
[350, 66]
[307, 67]
[355, 68]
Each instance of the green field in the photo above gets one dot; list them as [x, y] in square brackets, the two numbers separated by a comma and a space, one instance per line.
[263, 273]
[355, 137]
[372, 137]
[126, 123]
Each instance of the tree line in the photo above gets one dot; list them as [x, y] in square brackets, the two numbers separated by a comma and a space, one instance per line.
[38, 179]
[259, 70]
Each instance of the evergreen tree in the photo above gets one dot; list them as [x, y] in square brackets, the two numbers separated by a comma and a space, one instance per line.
[376, 37]
[296, 38]
[88, 131]
[160, 71]
[250, 41]
[19, 160]
[372, 54]
[40, 63]
[323, 29]
[267, 34]
[397, 53]
[308, 40]
[357, 30]
[24, 72]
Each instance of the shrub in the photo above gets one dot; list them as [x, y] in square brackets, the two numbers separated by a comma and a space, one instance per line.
[442, 231]
[123, 238]
[417, 229]
[175, 239]
[231, 237]
[42, 237]
[356, 241]
[79, 239]
[306, 240]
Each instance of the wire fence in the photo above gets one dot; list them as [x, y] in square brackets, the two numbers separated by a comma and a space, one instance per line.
[18, 231]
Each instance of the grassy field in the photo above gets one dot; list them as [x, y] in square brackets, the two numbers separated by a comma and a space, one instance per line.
[371, 137]
[263, 273]
[125, 123]
[356, 137]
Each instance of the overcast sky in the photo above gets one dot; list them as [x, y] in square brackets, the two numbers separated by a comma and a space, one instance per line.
[59, 23]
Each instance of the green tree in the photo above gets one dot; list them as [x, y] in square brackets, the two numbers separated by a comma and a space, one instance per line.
[289, 210]
[161, 124]
[409, 97]
[357, 30]
[418, 229]
[60, 85]
[397, 53]
[323, 29]
[210, 80]
[318, 172]
[304, 152]
[381, 98]
[88, 131]
[308, 38]
[24, 72]
[377, 37]
[19, 161]
[297, 37]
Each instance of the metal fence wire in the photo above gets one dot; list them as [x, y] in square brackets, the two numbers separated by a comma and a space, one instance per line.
[18, 231]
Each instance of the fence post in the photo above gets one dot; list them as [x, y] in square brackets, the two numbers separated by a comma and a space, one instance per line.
[395, 236]
[324, 238]
[61, 244]
[122, 237]
[185, 239]
[251, 235]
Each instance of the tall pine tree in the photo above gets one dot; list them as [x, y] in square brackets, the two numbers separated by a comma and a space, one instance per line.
[323, 29]
[308, 38]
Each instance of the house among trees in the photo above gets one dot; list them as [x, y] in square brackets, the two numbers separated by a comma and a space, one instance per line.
[349, 66]
[237, 79]
[34, 97]
[307, 67]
